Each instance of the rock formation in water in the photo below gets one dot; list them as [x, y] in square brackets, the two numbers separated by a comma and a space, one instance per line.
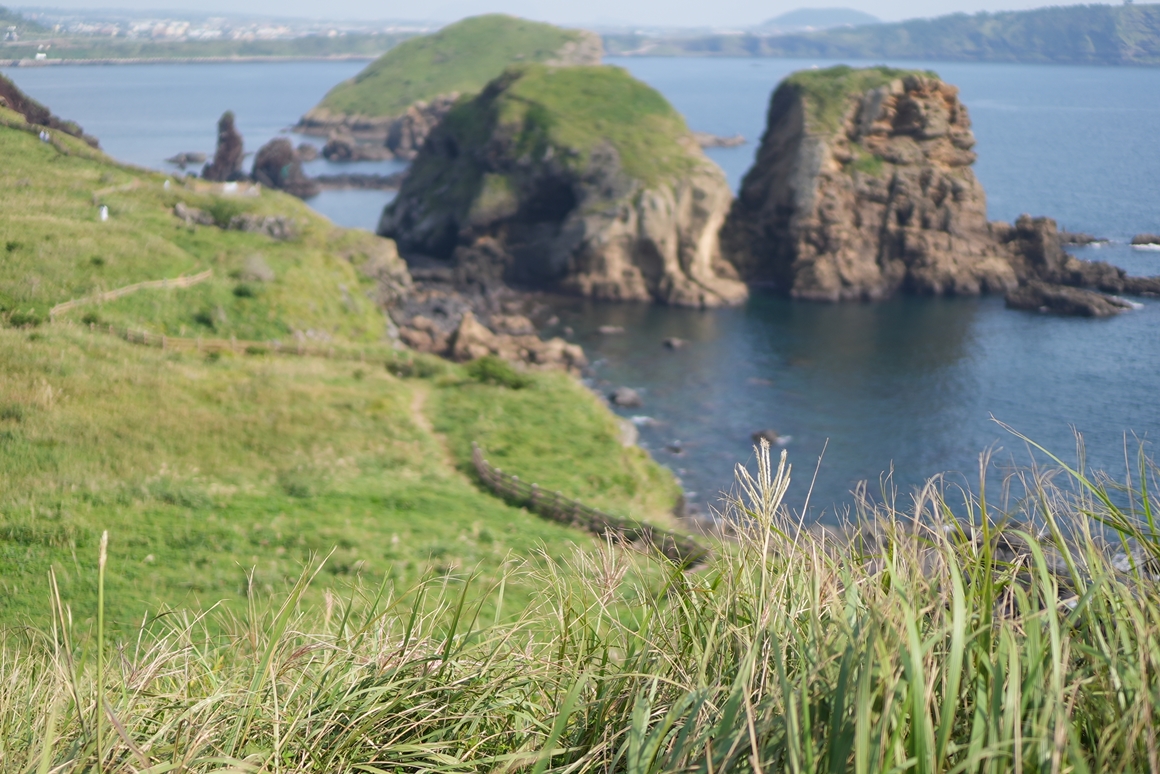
[581, 180]
[278, 165]
[427, 73]
[863, 187]
[341, 145]
[35, 113]
[227, 159]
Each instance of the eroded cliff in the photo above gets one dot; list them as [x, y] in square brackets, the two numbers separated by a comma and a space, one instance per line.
[587, 180]
[862, 187]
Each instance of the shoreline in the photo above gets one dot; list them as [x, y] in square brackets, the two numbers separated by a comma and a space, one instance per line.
[185, 60]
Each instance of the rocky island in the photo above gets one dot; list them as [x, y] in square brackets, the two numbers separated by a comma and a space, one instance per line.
[863, 187]
[577, 179]
[390, 107]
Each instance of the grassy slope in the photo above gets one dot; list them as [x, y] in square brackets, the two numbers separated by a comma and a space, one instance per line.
[827, 92]
[462, 58]
[204, 469]
[570, 110]
[55, 248]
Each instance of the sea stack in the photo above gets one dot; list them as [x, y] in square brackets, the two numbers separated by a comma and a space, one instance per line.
[863, 187]
[227, 159]
[587, 180]
[278, 165]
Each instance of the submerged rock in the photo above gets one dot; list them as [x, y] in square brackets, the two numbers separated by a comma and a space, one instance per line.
[227, 159]
[278, 165]
[625, 397]
[1062, 299]
[587, 179]
[863, 187]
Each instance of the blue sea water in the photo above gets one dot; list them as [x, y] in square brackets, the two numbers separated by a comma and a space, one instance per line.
[912, 386]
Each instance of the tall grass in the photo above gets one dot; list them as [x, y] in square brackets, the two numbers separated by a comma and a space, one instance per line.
[1003, 640]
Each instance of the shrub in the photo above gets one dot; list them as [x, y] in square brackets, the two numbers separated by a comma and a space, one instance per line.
[29, 318]
[493, 370]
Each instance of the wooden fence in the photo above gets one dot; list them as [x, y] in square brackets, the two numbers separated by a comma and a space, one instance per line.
[177, 282]
[678, 548]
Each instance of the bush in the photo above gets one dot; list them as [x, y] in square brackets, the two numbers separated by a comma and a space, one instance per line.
[25, 319]
[493, 370]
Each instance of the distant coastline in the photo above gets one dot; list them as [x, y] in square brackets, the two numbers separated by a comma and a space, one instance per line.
[186, 60]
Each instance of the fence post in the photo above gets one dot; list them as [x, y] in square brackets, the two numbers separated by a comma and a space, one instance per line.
[163, 341]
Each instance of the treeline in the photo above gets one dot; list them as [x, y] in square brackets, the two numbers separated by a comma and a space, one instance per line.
[1079, 34]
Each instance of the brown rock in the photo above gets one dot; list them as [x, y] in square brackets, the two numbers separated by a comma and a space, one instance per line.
[1146, 239]
[513, 324]
[278, 165]
[342, 146]
[407, 133]
[1062, 299]
[884, 200]
[227, 159]
[472, 340]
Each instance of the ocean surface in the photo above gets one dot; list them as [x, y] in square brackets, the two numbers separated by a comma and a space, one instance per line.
[892, 393]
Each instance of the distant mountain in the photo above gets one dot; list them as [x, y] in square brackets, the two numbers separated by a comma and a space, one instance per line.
[1077, 34]
[809, 19]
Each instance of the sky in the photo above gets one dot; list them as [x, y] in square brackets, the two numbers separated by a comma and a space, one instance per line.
[662, 13]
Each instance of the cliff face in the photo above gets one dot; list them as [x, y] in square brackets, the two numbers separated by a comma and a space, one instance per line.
[584, 180]
[863, 187]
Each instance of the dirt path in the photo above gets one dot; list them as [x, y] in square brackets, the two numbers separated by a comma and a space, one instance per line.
[419, 395]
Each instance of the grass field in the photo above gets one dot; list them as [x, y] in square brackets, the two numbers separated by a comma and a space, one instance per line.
[929, 645]
[222, 476]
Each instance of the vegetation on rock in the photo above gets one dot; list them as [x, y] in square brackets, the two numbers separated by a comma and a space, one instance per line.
[589, 180]
[461, 58]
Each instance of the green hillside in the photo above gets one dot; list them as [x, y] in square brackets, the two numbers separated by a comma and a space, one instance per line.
[548, 114]
[219, 475]
[1078, 34]
[462, 58]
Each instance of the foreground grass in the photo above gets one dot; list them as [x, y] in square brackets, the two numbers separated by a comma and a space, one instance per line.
[929, 652]
[221, 477]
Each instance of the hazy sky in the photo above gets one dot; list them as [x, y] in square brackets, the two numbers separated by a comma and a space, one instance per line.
[618, 12]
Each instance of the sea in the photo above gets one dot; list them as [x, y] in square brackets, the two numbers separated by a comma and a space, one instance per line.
[873, 398]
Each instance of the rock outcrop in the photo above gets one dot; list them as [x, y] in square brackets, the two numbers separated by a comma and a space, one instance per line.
[227, 159]
[278, 165]
[575, 179]
[407, 133]
[863, 188]
[342, 145]
[13, 98]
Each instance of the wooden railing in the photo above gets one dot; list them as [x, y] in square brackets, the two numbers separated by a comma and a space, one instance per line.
[678, 548]
[176, 282]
